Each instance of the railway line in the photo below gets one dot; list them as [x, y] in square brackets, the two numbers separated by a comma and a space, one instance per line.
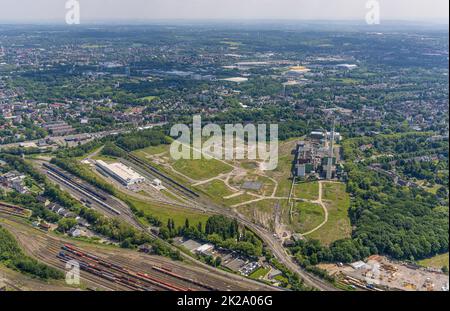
[13, 210]
[65, 176]
[101, 200]
[94, 197]
[280, 253]
[110, 270]
[158, 174]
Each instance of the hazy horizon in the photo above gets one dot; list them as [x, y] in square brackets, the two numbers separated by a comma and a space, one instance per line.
[94, 11]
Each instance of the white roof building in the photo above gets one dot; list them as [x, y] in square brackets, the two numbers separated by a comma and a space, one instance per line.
[121, 173]
[205, 248]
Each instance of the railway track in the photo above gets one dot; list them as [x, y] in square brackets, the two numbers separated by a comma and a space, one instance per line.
[14, 210]
[70, 182]
[50, 259]
[110, 274]
[65, 176]
[161, 278]
[168, 274]
[158, 174]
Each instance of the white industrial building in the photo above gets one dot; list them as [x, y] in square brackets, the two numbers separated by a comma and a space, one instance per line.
[122, 173]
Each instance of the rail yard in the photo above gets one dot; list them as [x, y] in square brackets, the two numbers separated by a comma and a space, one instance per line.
[108, 268]
[13, 210]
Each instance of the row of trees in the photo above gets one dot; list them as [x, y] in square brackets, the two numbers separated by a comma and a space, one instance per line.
[13, 257]
[402, 222]
[220, 231]
[142, 139]
[76, 169]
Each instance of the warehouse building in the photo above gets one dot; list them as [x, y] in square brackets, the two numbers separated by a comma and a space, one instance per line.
[122, 173]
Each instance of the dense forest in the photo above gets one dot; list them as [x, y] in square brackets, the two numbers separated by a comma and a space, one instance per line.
[406, 223]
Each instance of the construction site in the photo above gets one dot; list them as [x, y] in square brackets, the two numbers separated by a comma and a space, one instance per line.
[380, 273]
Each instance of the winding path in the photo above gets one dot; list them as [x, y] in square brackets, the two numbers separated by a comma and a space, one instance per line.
[320, 202]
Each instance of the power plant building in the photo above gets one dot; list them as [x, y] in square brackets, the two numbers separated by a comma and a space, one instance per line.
[122, 173]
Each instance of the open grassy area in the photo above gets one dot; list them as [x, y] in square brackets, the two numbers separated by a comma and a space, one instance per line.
[105, 158]
[164, 212]
[148, 98]
[283, 173]
[196, 169]
[307, 190]
[239, 199]
[259, 273]
[152, 150]
[267, 185]
[201, 169]
[215, 189]
[306, 216]
[437, 261]
[338, 226]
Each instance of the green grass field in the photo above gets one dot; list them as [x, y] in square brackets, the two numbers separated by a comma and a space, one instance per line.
[216, 189]
[152, 150]
[437, 261]
[164, 212]
[148, 98]
[307, 216]
[195, 169]
[307, 190]
[338, 226]
[201, 169]
[259, 273]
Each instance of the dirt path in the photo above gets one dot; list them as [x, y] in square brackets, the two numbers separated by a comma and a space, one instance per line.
[320, 202]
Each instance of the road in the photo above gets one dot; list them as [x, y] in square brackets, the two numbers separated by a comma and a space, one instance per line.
[61, 140]
[280, 253]
[128, 217]
[274, 245]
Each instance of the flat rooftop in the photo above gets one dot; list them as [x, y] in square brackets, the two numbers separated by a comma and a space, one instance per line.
[121, 170]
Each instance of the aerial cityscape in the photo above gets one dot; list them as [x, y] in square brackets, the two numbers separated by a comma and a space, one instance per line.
[224, 156]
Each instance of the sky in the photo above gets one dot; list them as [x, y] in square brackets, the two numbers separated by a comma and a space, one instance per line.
[104, 10]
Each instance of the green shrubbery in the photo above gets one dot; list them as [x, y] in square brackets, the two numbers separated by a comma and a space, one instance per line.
[13, 257]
